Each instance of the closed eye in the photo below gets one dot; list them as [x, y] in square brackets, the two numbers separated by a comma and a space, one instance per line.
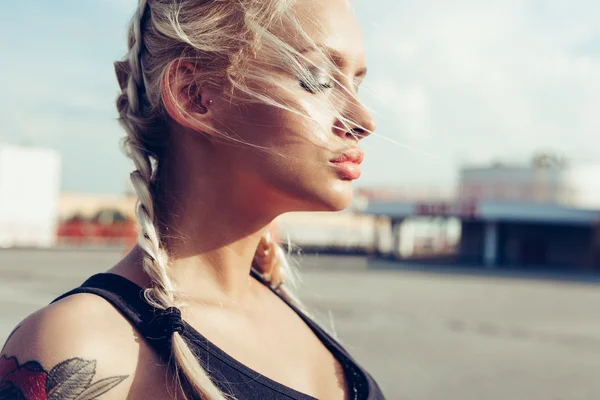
[316, 81]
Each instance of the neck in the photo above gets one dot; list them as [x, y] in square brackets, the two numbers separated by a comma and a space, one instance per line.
[210, 254]
[210, 227]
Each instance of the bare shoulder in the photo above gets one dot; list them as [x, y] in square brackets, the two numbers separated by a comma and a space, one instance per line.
[78, 348]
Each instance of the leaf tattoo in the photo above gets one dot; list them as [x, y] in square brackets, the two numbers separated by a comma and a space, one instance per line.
[69, 380]
[100, 387]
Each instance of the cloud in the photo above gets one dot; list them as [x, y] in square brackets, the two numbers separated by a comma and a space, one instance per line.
[410, 107]
[449, 81]
[126, 6]
[60, 89]
[494, 78]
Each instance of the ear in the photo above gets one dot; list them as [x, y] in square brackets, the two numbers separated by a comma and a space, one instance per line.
[186, 101]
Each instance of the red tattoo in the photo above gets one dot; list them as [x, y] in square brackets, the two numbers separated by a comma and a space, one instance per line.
[71, 379]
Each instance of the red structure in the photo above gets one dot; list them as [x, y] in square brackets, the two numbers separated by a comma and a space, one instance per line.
[106, 228]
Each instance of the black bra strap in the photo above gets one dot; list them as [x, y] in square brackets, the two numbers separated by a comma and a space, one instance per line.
[128, 299]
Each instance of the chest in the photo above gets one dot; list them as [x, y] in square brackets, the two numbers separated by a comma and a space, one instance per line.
[278, 345]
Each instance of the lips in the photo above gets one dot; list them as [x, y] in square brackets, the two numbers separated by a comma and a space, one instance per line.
[347, 164]
[355, 156]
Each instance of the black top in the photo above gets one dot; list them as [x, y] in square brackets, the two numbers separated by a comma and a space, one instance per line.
[231, 376]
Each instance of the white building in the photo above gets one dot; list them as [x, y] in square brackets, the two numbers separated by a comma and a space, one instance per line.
[575, 186]
[583, 186]
[29, 192]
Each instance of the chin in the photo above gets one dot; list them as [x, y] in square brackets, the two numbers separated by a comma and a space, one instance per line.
[340, 205]
[327, 195]
[336, 197]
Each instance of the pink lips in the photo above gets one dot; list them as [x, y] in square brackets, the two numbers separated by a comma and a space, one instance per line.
[348, 163]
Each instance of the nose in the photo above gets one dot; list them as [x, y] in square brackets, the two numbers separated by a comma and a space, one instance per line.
[356, 123]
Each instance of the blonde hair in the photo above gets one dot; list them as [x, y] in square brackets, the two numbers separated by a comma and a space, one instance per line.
[220, 36]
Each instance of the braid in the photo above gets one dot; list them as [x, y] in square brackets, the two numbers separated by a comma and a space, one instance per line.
[271, 262]
[130, 73]
[268, 261]
[155, 258]
[136, 79]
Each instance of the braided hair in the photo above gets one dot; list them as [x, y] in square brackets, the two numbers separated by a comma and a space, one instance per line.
[133, 109]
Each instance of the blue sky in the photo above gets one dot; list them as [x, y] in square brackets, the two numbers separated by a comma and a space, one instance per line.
[450, 82]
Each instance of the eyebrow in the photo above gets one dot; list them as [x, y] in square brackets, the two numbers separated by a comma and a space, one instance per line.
[334, 55]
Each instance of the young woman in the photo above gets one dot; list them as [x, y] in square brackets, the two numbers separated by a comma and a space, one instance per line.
[236, 111]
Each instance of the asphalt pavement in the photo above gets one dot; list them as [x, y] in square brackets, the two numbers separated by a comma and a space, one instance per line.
[422, 335]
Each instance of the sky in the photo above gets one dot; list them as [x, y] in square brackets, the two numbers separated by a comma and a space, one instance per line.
[451, 82]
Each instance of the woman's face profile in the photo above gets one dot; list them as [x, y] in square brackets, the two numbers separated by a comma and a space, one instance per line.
[307, 164]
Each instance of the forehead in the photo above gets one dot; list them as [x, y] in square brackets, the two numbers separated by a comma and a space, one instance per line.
[332, 23]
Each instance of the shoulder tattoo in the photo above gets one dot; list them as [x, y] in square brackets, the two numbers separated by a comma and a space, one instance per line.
[72, 379]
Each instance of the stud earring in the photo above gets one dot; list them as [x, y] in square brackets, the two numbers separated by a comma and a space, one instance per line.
[204, 108]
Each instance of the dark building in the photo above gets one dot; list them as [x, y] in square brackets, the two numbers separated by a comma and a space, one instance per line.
[513, 234]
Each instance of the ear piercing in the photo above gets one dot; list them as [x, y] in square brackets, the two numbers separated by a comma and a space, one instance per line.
[204, 108]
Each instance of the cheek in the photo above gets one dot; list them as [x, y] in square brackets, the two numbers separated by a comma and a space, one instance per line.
[285, 131]
[287, 152]
[293, 166]
[320, 122]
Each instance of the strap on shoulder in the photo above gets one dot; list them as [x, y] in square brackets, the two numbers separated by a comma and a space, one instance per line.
[121, 293]
[128, 298]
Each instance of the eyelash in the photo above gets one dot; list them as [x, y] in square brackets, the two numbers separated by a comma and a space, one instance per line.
[311, 83]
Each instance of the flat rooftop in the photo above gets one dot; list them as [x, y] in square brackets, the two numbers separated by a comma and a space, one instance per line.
[501, 211]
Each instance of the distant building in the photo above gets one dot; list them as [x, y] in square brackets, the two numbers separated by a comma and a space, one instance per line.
[90, 219]
[512, 183]
[29, 191]
[582, 183]
[542, 183]
[86, 206]
[544, 214]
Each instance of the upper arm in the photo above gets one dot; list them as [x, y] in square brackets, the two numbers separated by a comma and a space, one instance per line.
[69, 351]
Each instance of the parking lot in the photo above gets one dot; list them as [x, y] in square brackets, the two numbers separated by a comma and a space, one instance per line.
[422, 335]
